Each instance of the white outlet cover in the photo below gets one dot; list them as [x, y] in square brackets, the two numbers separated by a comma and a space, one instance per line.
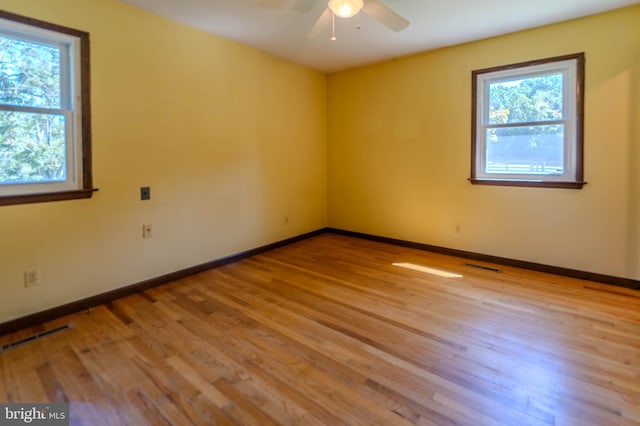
[31, 278]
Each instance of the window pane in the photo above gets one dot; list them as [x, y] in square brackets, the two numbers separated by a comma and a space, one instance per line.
[536, 150]
[29, 73]
[32, 147]
[526, 100]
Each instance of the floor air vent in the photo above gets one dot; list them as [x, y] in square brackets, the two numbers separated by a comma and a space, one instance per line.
[33, 337]
[486, 268]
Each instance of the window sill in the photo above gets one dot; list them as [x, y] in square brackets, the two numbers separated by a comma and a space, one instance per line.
[529, 183]
[45, 198]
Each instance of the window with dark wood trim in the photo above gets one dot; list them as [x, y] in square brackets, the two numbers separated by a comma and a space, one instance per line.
[527, 123]
[45, 112]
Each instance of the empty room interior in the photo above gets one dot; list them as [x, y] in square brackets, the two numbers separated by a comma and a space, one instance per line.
[433, 219]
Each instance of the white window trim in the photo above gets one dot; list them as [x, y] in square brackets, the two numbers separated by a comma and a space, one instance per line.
[572, 68]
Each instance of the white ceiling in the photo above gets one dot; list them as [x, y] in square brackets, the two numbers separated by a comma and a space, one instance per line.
[434, 23]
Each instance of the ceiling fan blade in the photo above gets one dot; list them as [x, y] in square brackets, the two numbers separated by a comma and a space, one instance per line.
[322, 24]
[303, 5]
[385, 15]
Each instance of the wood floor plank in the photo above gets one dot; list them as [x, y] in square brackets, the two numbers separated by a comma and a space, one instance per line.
[328, 331]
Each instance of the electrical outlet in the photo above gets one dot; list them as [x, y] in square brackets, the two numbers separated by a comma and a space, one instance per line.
[146, 231]
[31, 278]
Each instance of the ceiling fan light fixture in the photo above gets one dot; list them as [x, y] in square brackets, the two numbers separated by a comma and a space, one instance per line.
[345, 8]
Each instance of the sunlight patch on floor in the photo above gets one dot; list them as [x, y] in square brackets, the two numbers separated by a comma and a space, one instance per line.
[428, 270]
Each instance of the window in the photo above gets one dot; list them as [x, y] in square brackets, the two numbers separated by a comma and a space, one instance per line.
[45, 129]
[527, 123]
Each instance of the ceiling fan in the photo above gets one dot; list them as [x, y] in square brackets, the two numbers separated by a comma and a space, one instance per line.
[344, 9]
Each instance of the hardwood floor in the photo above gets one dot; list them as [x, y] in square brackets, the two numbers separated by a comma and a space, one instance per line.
[327, 331]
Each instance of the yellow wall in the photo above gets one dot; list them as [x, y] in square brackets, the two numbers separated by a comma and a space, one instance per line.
[399, 152]
[231, 141]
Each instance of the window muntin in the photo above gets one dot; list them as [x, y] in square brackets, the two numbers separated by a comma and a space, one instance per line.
[527, 123]
[45, 137]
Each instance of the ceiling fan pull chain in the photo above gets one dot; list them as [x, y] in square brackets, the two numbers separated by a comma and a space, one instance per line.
[333, 27]
[358, 22]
